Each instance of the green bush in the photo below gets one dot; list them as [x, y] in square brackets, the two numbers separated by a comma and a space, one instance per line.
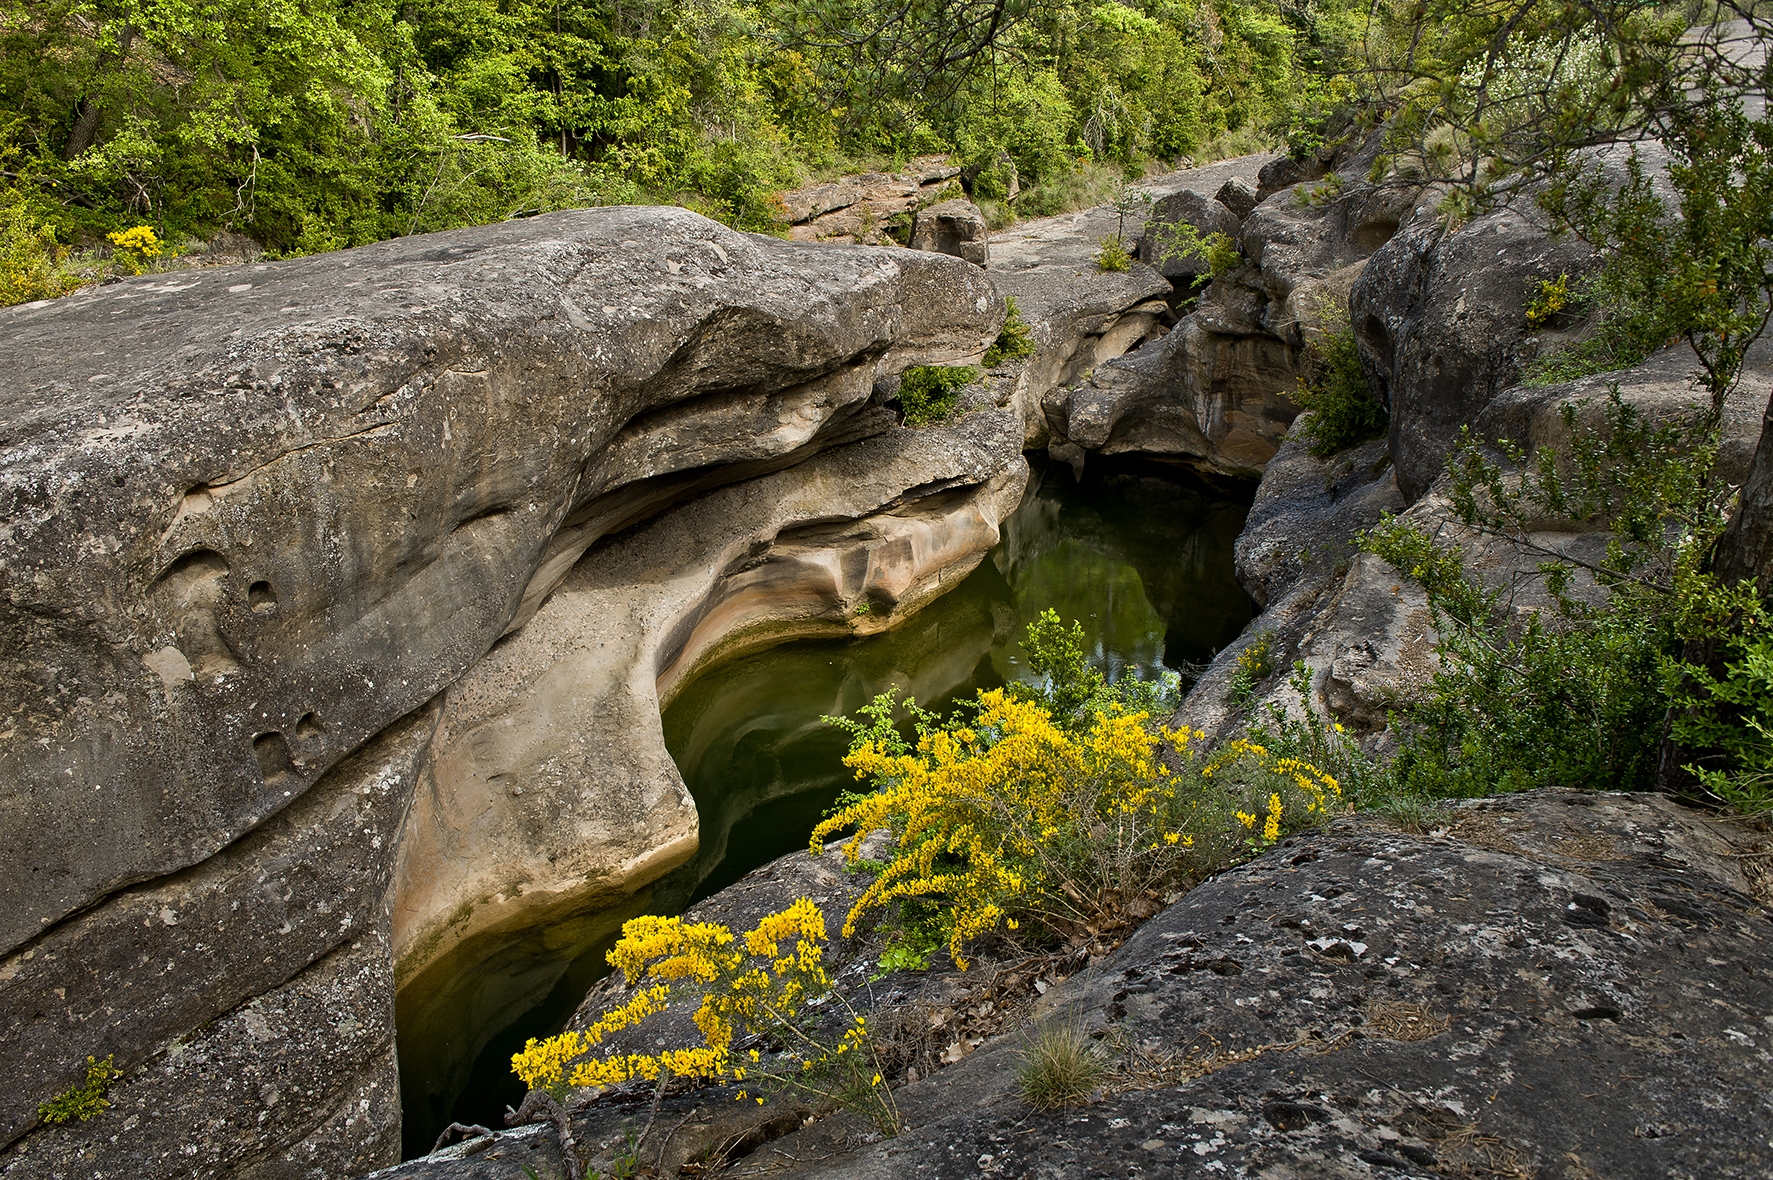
[1344, 411]
[928, 393]
[1112, 255]
[1255, 664]
[1014, 340]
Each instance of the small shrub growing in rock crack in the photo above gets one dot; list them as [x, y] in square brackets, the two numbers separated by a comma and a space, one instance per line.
[927, 393]
[768, 985]
[1344, 411]
[86, 1099]
[1014, 340]
[1255, 664]
[1112, 254]
[1179, 240]
[1061, 1065]
[1022, 813]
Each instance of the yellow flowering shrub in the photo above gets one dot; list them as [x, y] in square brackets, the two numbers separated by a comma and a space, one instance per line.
[1011, 816]
[765, 984]
[136, 247]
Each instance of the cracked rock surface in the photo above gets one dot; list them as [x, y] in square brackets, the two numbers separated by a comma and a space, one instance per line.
[1561, 985]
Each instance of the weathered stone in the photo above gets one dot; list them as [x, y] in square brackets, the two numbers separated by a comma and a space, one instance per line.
[1237, 196]
[805, 204]
[255, 517]
[1564, 983]
[297, 1082]
[128, 978]
[1187, 207]
[1080, 316]
[1218, 401]
[953, 227]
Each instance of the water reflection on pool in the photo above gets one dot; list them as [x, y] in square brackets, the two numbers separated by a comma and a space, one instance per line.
[1143, 562]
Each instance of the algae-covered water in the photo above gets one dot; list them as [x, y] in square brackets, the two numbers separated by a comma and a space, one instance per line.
[1145, 563]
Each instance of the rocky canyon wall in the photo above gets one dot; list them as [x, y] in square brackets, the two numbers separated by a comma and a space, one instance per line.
[263, 526]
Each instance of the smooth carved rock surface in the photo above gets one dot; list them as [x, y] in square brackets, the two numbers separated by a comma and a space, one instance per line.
[1563, 985]
[256, 516]
[549, 794]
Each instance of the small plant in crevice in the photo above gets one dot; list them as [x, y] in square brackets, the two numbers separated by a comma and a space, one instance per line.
[1112, 254]
[1014, 340]
[1061, 1065]
[928, 393]
[1180, 240]
[1344, 410]
[86, 1099]
[1552, 299]
[1255, 664]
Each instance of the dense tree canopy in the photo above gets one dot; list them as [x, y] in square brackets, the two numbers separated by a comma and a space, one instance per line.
[311, 124]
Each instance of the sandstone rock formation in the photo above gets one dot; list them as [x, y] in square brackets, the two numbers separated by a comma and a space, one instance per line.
[1216, 392]
[953, 227]
[258, 518]
[864, 208]
[549, 797]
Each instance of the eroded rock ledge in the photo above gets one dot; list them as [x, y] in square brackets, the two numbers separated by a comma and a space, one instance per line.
[257, 519]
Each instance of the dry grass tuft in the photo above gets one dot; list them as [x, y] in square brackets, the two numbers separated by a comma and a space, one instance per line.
[1400, 1020]
[1061, 1065]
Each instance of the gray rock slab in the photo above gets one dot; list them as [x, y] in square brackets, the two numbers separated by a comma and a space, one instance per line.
[1562, 984]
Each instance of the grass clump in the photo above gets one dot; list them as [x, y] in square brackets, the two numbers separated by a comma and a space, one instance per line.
[86, 1099]
[928, 393]
[1061, 1066]
[1014, 340]
[1344, 410]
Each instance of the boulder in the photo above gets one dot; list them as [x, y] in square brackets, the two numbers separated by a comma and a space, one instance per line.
[1187, 207]
[953, 227]
[257, 518]
[1237, 196]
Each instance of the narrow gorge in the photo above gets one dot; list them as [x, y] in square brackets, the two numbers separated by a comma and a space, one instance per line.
[364, 614]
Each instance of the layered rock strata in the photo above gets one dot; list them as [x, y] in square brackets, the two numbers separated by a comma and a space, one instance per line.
[866, 207]
[258, 518]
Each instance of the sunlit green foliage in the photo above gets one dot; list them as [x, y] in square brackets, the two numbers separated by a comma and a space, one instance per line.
[314, 124]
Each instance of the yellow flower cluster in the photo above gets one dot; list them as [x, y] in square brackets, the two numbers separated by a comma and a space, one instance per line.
[759, 983]
[1012, 813]
[136, 247]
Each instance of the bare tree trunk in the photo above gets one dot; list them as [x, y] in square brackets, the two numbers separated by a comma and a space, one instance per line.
[87, 113]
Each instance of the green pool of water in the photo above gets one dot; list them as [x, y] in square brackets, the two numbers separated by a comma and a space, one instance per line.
[1143, 562]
